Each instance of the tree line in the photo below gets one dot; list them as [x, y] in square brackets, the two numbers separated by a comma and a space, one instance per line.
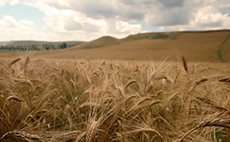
[35, 47]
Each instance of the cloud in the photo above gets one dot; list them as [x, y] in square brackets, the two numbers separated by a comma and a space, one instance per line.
[170, 13]
[160, 13]
[12, 2]
[165, 18]
[154, 12]
[101, 9]
[69, 20]
[192, 15]
[11, 28]
[9, 21]
[128, 28]
[95, 9]
[208, 17]
[172, 3]
[93, 17]
[86, 20]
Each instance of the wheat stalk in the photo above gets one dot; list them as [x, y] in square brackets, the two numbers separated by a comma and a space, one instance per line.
[23, 81]
[184, 64]
[129, 83]
[24, 135]
[224, 80]
[215, 122]
[201, 81]
[15, 98]
[26, 64]
[91, 130]
[14, 61]
[195, 84]
[65, 135]
[146, 130]
[211, 103]
[90, 104]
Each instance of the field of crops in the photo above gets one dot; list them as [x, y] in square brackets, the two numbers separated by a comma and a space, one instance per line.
[113, 101]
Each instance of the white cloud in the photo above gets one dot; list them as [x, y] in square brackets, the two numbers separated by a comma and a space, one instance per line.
[11, 28]
[70, 21]
[175, 28]
[12, 2]
[128, 28]
[27, 23]
[9, 21]
[63, 18]
[42, 5]
[209, 17]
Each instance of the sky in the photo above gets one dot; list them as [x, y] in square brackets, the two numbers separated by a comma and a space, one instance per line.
[85, 20]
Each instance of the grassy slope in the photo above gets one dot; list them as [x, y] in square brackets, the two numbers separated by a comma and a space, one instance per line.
[195, 46]
[103, 41]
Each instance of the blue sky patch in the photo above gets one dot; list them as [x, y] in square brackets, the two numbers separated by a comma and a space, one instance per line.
[23, 12]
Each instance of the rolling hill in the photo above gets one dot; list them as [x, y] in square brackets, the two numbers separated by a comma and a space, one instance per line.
[100, 42]
[206, 46]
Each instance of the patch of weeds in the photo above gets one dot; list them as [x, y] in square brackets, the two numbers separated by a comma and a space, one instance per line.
[165, 36]
[220, 55]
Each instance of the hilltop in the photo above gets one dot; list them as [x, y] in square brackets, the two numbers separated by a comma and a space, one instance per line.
[100, 42]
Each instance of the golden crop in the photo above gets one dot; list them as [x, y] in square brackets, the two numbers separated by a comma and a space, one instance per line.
[117, 101]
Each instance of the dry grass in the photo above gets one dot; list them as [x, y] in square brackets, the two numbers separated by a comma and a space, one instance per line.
[117, 101]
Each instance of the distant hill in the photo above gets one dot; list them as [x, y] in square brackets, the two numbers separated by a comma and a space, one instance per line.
[210, 46]
[108, 40]
[100, 42]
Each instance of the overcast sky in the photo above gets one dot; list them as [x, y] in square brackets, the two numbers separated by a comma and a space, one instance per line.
[56, 20]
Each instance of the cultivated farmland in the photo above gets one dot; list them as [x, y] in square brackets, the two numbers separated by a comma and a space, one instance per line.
[53, 100]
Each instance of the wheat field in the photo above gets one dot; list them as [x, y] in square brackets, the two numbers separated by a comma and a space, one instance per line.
[45, 100]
